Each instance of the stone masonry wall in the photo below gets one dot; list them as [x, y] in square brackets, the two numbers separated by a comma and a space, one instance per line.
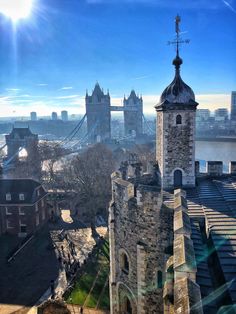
[177, 146]
[142, 229]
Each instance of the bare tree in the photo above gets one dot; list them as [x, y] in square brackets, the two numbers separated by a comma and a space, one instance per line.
[145, 153]
[49, 154]
[89, 175]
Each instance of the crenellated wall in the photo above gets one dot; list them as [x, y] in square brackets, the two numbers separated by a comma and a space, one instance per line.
[181, 292]
[140, 229]
[215, 169]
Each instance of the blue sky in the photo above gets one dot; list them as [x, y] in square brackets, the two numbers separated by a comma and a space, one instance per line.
[48, 60]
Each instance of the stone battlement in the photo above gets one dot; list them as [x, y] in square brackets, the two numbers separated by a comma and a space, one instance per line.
[181, 293]
[215, 169]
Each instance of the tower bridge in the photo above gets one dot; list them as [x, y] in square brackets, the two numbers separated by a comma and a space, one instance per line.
[98, 111]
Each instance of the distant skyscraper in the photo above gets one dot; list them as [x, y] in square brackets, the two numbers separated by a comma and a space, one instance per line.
[203, 115]
[64, 115]
[54, 116]
[33, 116]
[221, 114]
[233, 106]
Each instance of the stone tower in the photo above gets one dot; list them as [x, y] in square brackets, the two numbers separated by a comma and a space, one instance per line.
[176, 132]
[140, 234]
[98, 115]
[133, 114]
[19, 140]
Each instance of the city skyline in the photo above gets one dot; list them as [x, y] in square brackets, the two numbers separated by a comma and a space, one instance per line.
[49, 59]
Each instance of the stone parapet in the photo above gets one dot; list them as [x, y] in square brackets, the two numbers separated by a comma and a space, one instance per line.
[180, 203]
[182, 224]
[181, 294]
[123, 188]
[187, 297]
[215, 168]
[197, 168]
[179, 192]
[184, 258]
[232, 168]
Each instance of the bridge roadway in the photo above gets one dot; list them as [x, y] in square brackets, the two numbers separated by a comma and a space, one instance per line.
[123, 108]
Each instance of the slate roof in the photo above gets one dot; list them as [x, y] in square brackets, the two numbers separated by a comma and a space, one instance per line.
[215, 201]
[19, 186]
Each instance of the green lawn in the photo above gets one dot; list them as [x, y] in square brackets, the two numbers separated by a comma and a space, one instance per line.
[92, 286]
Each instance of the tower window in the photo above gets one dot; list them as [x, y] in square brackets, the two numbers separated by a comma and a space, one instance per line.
[159, 279]
[8, 197]
[124, 263]
[178, 119]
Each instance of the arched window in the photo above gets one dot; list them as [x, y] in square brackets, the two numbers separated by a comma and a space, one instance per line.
[124, 263]
[159, 279]
[128, 306]
[178, 119]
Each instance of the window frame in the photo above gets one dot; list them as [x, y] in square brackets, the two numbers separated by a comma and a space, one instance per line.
[178, 119]
[8, 224]
[8, 196]
[7, 212]
[124, 262]
[21, 196]
[21, 213]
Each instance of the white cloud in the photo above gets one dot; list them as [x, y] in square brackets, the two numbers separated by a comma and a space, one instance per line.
[209, 101]
[67, 87]
[214, 101]
[141, 77]
[42, 84]
[68, 97]
[13, 106]
[13, 89]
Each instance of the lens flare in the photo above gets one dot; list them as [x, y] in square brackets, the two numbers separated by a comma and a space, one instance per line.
[16, 9]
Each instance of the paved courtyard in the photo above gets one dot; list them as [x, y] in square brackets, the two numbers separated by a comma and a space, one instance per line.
[26, 279]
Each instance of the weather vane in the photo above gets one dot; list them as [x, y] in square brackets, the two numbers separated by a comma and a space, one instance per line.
[178, 40]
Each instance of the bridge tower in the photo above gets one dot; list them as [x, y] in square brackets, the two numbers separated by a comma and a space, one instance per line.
[133, 114]
[22, 154]
[98, 115]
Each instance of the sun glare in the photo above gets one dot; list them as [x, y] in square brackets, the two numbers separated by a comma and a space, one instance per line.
[16, 9]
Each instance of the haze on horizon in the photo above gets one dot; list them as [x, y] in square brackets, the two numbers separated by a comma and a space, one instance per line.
[49, 59]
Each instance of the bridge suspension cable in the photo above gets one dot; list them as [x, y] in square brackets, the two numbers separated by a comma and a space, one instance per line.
[7, 162]
[87, 135]
[1, 148]
[73, 133]
[147, 124]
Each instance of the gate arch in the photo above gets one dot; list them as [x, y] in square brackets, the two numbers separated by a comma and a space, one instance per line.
[178, 178]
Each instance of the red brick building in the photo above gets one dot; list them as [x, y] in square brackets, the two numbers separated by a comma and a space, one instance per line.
[23, 206]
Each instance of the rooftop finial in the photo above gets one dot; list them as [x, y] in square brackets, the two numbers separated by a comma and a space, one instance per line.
[177, 30]
[177, 41]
